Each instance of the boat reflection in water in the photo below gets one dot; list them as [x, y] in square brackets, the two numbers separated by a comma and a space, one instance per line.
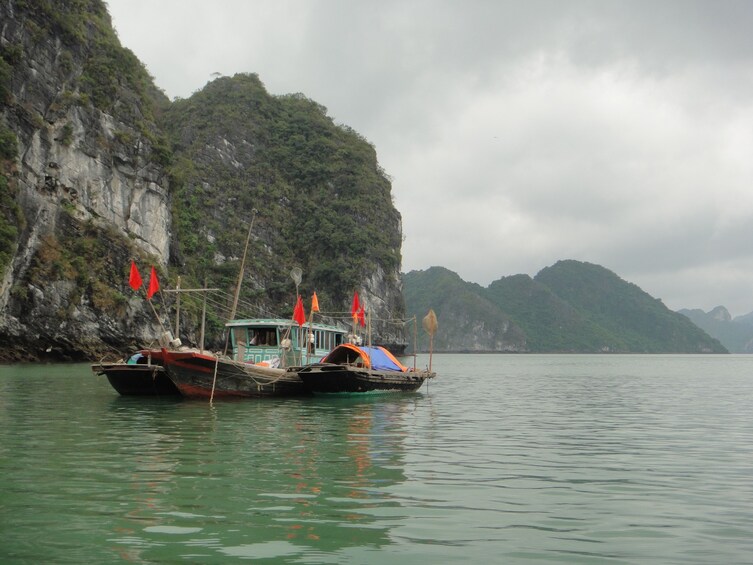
[274, 478]
[350, 452]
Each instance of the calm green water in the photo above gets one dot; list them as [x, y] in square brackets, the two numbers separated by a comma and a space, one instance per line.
[503, 459]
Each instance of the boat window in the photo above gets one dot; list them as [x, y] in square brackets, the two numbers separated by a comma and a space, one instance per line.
[239, 336]
[262, 336]
[311, 341]
[255, 336]
[272, 336]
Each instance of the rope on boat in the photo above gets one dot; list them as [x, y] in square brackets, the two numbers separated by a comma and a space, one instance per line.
[241, 367]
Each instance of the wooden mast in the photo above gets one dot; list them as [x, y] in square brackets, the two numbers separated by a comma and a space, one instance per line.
[235, 299]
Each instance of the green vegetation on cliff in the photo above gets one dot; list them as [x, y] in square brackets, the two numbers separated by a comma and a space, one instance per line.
[91, 67]
[549, 322]
[85, 31]
[470, 321]
[643, 323]
[322, 201]
[572, 307]
[11, 216]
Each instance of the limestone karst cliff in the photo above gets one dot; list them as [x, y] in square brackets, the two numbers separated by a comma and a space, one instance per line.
[86, 180]
[98, 168]
[321, 201]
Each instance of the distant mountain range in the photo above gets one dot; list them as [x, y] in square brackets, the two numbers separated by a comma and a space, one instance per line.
[570, 307]
[736, 334]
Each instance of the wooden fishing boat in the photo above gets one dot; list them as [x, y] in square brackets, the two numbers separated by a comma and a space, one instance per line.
[140, 375]
[206, 375]
[257, 363]
[358, 369]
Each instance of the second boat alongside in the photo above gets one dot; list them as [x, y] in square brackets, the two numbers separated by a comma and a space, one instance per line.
[141, 375]
[358, 369]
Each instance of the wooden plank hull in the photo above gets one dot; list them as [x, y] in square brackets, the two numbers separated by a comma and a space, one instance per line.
[137, 380]
[327, 378]
[193, 374]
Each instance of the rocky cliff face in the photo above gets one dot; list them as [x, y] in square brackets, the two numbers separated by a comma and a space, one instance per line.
[321, 201]
[382, 296]
[721, 314]
[80, 166]
[89, 182]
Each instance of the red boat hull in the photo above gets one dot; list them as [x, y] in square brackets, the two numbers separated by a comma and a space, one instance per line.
[201, 375]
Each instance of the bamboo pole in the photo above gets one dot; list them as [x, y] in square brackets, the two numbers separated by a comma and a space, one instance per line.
[177, 309]
[180, 291]
[240, 278]
[431, 349]
[214, 379]
[430, 325]
[415, 341]
[368, 318]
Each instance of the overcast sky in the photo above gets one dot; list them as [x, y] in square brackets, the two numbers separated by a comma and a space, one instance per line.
[516, 134]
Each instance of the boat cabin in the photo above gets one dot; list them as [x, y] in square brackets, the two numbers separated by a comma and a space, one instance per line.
[268, 340]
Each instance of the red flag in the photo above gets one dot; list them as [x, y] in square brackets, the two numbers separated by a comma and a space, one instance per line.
[356, 305]
[314, 303]
[362, 317]
[135, 278]
[153, 284]
[299, 315]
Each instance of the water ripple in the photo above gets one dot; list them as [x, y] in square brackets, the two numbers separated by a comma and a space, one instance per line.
[574, 459]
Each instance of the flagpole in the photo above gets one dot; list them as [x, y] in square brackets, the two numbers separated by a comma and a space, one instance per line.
[161, 325]
[155, 288]
[354, 314]
[308, 337]
[300, 333]
[311, 340]
[295, 275]
[135, 281]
